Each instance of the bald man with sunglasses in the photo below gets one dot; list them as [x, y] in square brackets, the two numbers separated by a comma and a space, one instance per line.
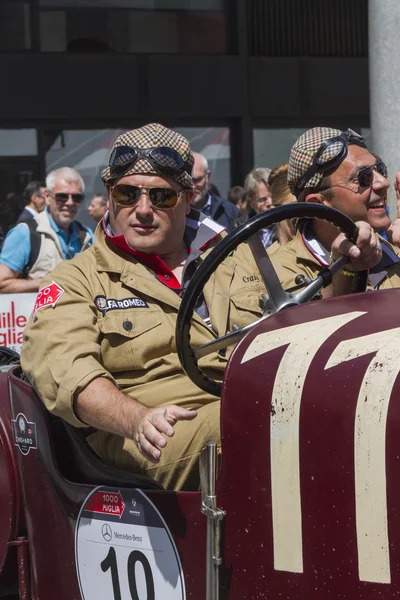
[102, 352]
[335, 168]
[33, 249]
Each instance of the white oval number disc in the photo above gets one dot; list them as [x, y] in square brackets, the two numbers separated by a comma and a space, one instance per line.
[124, 549]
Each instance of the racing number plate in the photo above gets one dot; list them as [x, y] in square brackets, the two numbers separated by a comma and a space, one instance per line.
[125, 550]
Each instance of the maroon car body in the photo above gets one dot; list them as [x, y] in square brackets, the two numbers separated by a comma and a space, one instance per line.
[309, 481]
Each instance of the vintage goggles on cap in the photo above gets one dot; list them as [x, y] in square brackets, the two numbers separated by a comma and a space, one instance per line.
[164, 160]
[330, 154]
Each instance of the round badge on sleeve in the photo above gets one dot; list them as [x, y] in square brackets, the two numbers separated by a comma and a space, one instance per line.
[124, 549]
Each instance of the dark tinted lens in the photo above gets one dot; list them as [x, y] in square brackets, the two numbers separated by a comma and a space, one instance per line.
[163, 197]
[61, 197]
[167, 158]
[366, 177]
[121, 158]
[77, 197]
[382, 169]
[126, 195]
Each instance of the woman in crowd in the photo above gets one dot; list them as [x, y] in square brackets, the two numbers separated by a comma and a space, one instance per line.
[280, 193]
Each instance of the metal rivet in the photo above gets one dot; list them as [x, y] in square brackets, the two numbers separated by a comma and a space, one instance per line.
[127, 325]
[167, 277]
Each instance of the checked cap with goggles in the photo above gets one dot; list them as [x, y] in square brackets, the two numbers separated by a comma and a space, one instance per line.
[315, 153]
[153, 149]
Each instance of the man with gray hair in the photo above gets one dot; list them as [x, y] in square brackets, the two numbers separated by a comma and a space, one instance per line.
[33, 249]
[220, 210]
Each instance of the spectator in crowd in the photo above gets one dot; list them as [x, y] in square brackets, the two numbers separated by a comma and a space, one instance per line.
[219, 209]
[98, 207]
[334, 168]
[103, 356]
[35, 201]
[237, 196]
[259, 200]
[32, 249]
[281, 195]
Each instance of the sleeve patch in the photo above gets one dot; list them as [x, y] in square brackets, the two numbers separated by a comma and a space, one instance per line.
[48, 296]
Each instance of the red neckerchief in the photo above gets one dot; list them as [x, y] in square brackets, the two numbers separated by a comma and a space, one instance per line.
[152, 261]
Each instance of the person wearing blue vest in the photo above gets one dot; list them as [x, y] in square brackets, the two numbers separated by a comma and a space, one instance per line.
[33, 249]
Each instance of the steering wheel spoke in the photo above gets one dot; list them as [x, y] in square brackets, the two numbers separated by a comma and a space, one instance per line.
[226, 340]
[276, 294]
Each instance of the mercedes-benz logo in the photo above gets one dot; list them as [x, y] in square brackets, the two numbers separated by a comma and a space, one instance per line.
[106, 532]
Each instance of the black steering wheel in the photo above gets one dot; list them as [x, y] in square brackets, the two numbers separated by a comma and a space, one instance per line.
[277, 298]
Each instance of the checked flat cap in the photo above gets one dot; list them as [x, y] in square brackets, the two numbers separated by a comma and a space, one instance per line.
[302, 155]
[154, 135]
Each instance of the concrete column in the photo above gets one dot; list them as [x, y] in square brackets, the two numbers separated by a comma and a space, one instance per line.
[384, 85]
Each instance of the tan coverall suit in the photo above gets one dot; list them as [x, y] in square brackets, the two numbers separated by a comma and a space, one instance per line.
[73, 342]
[295, 258]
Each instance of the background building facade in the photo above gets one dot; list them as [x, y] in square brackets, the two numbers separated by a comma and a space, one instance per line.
[240, 78]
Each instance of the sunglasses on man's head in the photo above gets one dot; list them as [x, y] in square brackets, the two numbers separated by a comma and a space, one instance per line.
[62, 197]
[161, 197]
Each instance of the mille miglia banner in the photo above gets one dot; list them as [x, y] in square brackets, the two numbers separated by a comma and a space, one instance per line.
[15, 310]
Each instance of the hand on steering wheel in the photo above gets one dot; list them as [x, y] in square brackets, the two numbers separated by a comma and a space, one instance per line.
[278, 298]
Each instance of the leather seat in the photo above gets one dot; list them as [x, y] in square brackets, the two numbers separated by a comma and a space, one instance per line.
[78, 462]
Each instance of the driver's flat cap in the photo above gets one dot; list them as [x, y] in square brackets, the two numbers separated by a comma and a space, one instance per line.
[303, 152]
[154, 135]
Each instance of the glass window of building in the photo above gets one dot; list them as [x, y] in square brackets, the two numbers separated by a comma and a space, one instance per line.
[15, 25]
[19, 164]
[18, 142]
[88, 152]
[133, 26]
[272, 146]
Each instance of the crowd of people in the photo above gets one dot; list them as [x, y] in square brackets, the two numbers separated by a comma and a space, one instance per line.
[46, 230]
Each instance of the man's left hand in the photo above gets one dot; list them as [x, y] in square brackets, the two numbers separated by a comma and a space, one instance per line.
[364, 254]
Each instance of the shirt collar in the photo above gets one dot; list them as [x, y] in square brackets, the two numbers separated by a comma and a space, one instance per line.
[31, 210]
[319, 252]
[56, 228]
[208, 201]
[199, 232]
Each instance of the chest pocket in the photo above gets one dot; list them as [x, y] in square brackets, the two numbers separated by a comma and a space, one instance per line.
[245, 308]
[124, 333]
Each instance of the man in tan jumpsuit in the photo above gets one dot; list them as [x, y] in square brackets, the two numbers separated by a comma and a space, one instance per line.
[334, 168]
[100, 348]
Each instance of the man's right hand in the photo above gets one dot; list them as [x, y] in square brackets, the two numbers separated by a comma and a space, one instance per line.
[152, 424]
[103, 406]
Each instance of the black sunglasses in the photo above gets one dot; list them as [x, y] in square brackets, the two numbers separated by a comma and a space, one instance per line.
[161, 197]
[63, 197]
[329, 155]
[165, 160]
[365, 176]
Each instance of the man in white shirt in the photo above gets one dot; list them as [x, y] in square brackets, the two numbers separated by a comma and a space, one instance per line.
[35, 201]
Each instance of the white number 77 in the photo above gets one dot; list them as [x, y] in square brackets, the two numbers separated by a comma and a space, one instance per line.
[303, 342]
